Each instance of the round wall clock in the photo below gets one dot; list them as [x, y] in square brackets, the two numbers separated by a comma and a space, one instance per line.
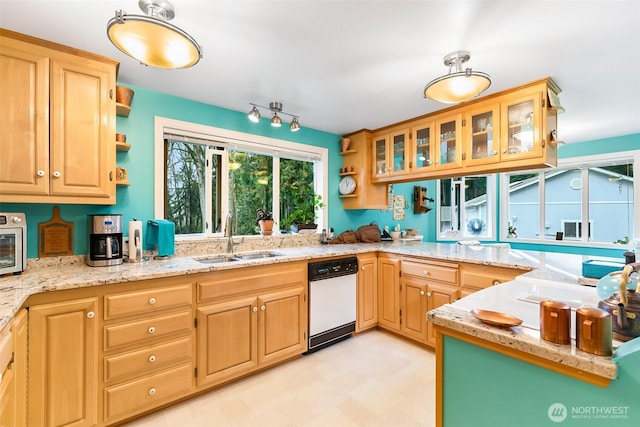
[347, 185]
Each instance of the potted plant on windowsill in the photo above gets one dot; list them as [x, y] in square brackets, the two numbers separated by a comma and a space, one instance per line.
[265, 221]
[304, 215]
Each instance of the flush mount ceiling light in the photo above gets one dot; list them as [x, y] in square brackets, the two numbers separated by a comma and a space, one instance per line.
[151, 39]
[276, 121]
[460, 85]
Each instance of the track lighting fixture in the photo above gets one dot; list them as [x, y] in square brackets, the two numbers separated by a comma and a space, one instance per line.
[276, 121]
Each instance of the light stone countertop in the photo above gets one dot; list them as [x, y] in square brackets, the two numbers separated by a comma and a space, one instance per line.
[524, 339]
[51, 274]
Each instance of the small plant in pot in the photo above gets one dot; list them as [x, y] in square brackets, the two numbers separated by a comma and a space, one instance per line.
[265, 221]
[304, 215]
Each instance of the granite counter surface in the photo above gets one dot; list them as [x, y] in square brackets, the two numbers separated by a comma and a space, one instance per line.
[53, 274]
[524, 339]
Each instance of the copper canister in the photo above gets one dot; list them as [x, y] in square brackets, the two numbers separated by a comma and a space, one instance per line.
[593, 331]
[555, 322]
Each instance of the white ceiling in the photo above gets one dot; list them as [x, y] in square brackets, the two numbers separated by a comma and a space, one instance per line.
[346, 65]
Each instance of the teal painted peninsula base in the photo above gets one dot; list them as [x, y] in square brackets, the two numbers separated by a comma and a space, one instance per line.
[480, 387]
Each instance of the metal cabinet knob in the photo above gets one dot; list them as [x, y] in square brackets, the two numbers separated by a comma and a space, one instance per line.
[151, 329]
[56, 174]
[40, 172]
[152, 358]
[152, 300]
[494, 152]
[91, 315]
[428, 294]
[504, 150]
[255, 309]
[263, 307]
[362, 268]
[426, 272]
[421, 292]
[152, 391]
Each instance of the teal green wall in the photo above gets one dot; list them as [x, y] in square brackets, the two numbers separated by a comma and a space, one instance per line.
[484, 388]
[137, 199]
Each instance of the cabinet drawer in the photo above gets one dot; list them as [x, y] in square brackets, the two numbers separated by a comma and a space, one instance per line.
[148, 360]
[478, 277]
[138, 396]
[147, 301]
[429, 271]
[147, 329]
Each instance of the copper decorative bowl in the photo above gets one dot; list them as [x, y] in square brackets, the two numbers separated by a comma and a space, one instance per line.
[124, 95]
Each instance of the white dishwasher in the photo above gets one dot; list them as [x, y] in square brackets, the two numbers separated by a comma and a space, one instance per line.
[332, 301]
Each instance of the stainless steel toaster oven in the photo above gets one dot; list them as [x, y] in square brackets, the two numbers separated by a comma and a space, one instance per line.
[13, 243]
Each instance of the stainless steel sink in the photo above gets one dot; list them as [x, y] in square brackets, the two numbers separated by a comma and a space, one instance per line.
[257, 255]
[216, 259]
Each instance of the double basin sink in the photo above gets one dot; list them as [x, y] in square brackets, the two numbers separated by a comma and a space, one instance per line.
[216, 259]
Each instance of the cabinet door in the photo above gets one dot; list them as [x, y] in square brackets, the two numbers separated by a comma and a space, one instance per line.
[63, 363]
[422, 148]
[380, 166]
[448, 150]
[438, 295]
[521, 135]
[82, 128]
[282, 325]
[227, 338]
[24, 134]
[367, 292]
[481, 135]
[389, 293]
[414, 308]
[397, 153]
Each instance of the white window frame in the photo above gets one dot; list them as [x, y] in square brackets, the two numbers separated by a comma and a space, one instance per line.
[231, 139]
[583, 162]
[461, 234]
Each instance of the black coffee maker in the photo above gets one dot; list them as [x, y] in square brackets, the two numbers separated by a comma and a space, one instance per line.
[105, 240]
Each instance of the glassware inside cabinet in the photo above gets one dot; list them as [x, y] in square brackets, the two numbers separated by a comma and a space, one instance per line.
[398, 153]
[482, 135]
[380, 146]
[448, 142]
[423, 148]
[520, 134]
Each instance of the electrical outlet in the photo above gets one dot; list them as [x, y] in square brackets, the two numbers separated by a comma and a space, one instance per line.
[125, 245]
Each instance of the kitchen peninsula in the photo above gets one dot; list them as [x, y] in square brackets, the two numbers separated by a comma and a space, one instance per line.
[115, 305]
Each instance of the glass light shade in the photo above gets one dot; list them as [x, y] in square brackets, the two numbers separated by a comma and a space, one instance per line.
[254, 115]
[153, 42]
[457, 87]
[276, 121]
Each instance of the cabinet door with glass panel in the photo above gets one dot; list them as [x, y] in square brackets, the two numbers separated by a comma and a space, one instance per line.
[448, 148]
[522, 127]
[422, 150]
[481, 135]
[390, 158]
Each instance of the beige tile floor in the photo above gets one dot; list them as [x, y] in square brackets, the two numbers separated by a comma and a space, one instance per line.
[372, 379]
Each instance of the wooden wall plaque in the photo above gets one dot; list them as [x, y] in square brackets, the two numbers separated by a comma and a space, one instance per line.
[55, 236]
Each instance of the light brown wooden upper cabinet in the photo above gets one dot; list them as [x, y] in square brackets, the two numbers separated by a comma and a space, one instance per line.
[391, 159]
[481, 136]
[511, 130]
[58, 141]
[422, 147]
[359, 158]
[449, 146]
